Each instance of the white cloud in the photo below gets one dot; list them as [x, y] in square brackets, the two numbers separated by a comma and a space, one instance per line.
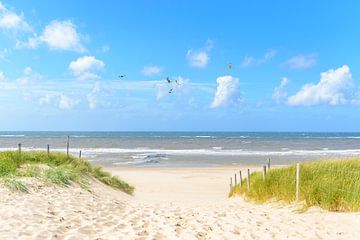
[85, 67]
[249, 60]
[302, 61]
[67, 102]
[201, 57]
[279, 92]
[12, 21]
[227, 91]
[330, 90]
[58, 35]
[151, 70]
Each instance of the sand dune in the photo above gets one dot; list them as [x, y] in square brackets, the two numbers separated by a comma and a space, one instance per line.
[181, 203]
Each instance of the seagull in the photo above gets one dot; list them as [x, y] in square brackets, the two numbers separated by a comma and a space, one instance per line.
[168, 80]
[122, 76]
[177, 82]
[170, 90]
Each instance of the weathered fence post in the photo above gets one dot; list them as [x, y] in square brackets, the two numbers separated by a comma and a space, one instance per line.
[80, 154]
[230, 183]
[48, 150]
[248, 180]
[240, 178]
[297, 180]
[19, 148]
[268, 164]
[67, 146]
[235, 180]
[264, 172]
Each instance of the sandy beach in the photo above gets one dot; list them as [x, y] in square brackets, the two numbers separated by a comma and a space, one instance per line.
[169, 203]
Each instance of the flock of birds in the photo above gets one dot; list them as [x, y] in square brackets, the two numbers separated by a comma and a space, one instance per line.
[169, 81]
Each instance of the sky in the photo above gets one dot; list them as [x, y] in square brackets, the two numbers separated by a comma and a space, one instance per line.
[232, 65]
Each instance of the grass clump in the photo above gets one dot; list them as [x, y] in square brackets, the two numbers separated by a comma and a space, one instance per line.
[56, 168]
[106, 178]
[330, 184]
[14, 184]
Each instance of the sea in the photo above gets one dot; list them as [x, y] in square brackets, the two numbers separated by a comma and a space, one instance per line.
[171, 149]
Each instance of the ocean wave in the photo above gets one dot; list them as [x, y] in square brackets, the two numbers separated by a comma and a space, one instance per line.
[142, 153]
[12, 135]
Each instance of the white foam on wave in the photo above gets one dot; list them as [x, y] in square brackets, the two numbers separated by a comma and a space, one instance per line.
[141, 152]
[12, 135]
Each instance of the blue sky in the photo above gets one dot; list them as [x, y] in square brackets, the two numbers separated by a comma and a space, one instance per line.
[294, 66]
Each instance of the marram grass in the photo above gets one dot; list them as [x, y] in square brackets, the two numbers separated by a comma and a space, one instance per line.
[56, 168]
[330, 184]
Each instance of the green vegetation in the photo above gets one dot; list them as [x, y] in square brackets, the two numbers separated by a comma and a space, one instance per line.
[56, 168]
[330, 184]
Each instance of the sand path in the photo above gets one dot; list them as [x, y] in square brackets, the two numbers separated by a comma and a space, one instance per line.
[181, 203]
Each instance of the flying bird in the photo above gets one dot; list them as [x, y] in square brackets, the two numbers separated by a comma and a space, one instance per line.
[230, 66]
[170, 90]
[122, 76]
[177, 82]
[168, 80]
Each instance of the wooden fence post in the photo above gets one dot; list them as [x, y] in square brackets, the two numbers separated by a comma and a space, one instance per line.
[240, 178]
[235, 180]
[268, 164]
[19, 148]
[248, 180]
[48, 150]
[80, 154]
[67, 146]
[297, 180]
[230, 183]
[264, 172]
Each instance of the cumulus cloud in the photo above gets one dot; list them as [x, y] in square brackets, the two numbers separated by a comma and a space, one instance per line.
[279, 92]
[201, 57]
[302, 61]
[250, 60]
[151, 70]
[11, 21]
[227, 92]
[58, 35]
[85, 67]
[67, 102]
[331, 89]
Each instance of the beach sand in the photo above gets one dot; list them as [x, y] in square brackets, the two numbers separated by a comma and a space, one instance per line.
[169, 203]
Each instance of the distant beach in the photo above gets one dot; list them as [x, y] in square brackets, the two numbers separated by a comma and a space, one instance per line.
[171, 149]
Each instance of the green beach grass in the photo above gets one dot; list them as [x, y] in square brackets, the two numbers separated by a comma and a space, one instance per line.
[330, 184]
[56, 168]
